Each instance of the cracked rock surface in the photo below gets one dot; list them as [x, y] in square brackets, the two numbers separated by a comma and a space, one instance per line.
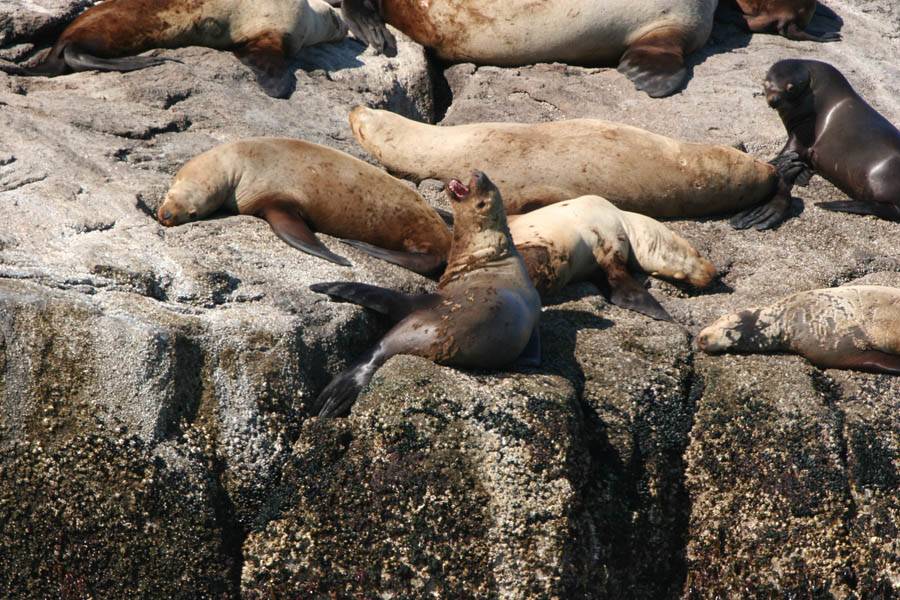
[154, 381]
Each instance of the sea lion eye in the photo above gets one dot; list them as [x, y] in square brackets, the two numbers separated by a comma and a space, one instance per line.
[789, 87]
[480, 204]
[192, 214]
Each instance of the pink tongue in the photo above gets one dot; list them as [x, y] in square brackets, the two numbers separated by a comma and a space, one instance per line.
[458, 188]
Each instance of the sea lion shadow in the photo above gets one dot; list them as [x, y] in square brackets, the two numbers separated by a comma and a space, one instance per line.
[332, 56]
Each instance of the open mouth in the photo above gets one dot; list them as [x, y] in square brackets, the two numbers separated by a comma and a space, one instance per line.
[458, 189]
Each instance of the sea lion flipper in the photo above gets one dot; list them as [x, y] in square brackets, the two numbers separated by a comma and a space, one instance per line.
[793, 32]
[78, 60]
[294, 231]
[265, 56]
[655, 63]
[871, 360]
[764, 216]
[625, 291]
[365, 21]
[396, 305]
[418, 262]
[531, 355]
[857, 207]
[339, 395]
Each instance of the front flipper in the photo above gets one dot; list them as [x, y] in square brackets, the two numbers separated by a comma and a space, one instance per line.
[531, 355]
[857, 207]
[655, 62]
[365, 21]
[396, 305]
[288, 225]
[869, 360]
[625, 291]
[418, 262]
[78, 60]
[766, 215]
[265, 56]
[792, 169]
[339, 395]
[793, 32]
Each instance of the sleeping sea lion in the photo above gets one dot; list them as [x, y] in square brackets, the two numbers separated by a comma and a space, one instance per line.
[788, 18]
[299, 187]
[647, 39]
[838, 135]
[588, 238]
[262, 33]
[539, 164]
[484, 313]
[852, 327]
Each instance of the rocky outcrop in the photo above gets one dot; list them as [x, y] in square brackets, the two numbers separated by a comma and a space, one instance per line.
[154, 381]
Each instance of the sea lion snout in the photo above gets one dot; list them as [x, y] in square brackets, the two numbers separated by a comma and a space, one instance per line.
[458, 190]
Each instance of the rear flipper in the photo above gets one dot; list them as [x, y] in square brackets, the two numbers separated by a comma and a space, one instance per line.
[871, 360]
[418, 262]
[78, 60]
[768, 214]
[396, 305]
[655, 62]
[884, 211]
[625, 291]
[792, 31]
[339, 395]
[288, 225]
[365, 21]
[265, 56]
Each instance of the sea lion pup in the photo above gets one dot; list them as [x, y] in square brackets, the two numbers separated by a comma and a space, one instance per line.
[838, 135]
[299, 187]
[484, 313]
[852, 327]
[539, 164]
[262, 33]
[590, 239]
[788, 18]
[647, 39]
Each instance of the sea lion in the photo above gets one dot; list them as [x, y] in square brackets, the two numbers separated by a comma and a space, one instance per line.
[484, 313]
[647, 39]
[588, 238]
[262, 33]
[539, 164]
[788, 18]
[838, 135]
[299, 187]
[852, 327]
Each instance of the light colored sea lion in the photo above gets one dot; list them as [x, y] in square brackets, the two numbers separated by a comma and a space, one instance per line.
[484, 313]
[299, 187]
[647, 39]
[852, 327]
[262, 33]
[588, 238]
[539, 164]
[838, 135]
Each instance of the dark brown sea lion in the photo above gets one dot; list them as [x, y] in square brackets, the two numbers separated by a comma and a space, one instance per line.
[484, 313]
[262, 33]
[837, 135]
[299, 187]
[788, 18]
[852, 327]
[647, 39]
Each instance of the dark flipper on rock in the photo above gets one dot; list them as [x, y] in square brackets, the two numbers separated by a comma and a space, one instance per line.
[396, 305]
[655, 63]
[265, 56]
[531, 355]
[857, 207]
[625, 291]
[793, 32]
[339, 395]
[78, 60]
[766, 215]
[365, 21]
[418, 262]
[288, 225]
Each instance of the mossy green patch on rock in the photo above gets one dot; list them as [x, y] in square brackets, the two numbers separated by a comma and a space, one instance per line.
[104, 517]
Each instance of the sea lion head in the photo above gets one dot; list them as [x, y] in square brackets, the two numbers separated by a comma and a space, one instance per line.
[737, 332]
[185, 201]
[478, 213]
[787, 83]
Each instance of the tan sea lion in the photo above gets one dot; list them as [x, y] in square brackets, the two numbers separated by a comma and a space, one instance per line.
[484, 313]
[852, 327]
[588, 238]
[539, 164]
[299, 187]
[838, 135]
[262, 33]
[647, 39]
